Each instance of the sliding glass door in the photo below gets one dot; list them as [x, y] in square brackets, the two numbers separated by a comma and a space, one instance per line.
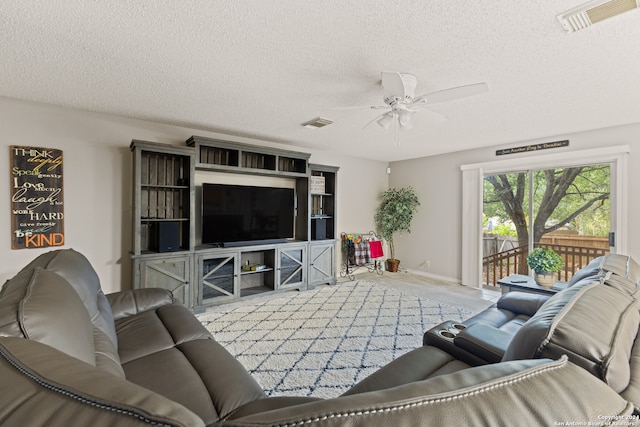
[567, 209]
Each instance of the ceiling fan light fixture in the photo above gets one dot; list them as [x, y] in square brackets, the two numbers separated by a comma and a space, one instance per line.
[405, 118]
[386, 120]
[402, 104]
[593, 12]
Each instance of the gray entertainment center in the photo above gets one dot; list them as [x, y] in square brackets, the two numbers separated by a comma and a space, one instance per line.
[167, 212]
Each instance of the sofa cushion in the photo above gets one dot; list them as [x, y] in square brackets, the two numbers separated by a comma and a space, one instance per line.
[510, 312]
[620, 272]
[41, 387]
[522, 302]
[40, 305]
[416, 365]
[527, 393]
[632, 391]
[79, 273]
[133, 301]
[168, 351]
[593, 268]
[594, 325]
[621, 265]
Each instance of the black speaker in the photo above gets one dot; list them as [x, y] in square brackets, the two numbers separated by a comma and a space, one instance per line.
[319, 229]
[165, 236]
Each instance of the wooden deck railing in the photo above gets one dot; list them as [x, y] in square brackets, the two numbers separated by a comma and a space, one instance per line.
[514, 261]
[574, 257]
[502, 264]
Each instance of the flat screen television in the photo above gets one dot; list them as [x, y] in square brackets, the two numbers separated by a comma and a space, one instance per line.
[234, 215]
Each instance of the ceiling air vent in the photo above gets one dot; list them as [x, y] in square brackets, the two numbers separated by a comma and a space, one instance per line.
[318, 122]
[595, 11]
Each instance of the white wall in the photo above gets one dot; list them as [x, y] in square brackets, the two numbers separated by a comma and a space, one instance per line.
[436, 230]
[98, 181]
[97, 187]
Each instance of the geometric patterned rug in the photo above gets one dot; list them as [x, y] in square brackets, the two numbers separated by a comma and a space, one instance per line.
[323, 341]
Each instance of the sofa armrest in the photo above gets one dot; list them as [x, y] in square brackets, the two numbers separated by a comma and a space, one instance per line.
[522, 302]
[440, 336]
[484, 341]
[42, 386]
[491, 394]
[134, 301]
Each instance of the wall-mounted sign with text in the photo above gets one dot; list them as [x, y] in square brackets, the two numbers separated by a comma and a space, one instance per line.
[37, 205]
[533, 147]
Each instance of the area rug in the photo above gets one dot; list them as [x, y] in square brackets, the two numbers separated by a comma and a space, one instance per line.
[321, 342]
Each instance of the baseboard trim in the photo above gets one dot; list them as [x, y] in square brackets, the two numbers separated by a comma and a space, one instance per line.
[450, 280]
[446, 279]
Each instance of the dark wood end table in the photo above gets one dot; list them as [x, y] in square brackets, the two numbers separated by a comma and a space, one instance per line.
[522, 283]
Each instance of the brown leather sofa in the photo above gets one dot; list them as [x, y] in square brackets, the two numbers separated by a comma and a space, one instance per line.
[71, 356]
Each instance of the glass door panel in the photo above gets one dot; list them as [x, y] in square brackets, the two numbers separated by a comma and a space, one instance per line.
[565, 209]
[505, 231]
[572, 213]
[219, 278]
[292, 267]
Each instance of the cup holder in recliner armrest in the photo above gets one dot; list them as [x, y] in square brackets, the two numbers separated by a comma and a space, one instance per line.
[443, 337]
[452, 330]
[446, 334]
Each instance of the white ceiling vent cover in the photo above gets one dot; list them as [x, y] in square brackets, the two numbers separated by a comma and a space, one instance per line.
[595, 11]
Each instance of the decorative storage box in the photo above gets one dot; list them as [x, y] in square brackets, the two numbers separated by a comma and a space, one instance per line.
[317, 185]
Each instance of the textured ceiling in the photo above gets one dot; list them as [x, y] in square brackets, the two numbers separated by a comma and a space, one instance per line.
[259, 69]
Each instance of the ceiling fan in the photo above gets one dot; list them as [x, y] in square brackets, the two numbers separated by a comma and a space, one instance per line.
[398, 94]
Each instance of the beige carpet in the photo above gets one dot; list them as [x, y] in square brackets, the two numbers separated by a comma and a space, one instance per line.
[321, 342]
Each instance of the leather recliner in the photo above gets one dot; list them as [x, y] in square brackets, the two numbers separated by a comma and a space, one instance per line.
[70, 355]
[594, 321]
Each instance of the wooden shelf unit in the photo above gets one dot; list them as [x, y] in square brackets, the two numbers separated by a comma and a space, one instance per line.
[164, 191]
[322, 224]
[214, 154]
[323, 203]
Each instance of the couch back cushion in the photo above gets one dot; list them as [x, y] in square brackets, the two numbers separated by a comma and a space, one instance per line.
[591, 269]
[79, 272]
[622, 273]
[40, 305]
[594, 325]
[76, 269]
[619, 271]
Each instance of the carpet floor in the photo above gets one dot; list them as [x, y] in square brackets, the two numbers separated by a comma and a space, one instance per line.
[321, 342]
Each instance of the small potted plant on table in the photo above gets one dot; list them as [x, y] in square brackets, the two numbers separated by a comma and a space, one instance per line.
[395, 214]
[545, 263]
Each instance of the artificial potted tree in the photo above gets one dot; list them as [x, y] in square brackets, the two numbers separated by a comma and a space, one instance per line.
[545, 263]
[394, 215]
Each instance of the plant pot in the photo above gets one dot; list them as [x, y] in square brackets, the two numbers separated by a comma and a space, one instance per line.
[546, 280]
[392, 265]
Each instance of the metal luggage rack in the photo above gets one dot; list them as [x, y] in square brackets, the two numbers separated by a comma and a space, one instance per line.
[357, 253]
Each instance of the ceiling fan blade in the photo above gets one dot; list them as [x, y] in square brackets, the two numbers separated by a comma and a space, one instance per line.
[358, 107]
[439, 117]
[452, 93]
[423, 108]
[398, 85]
[392, 83]
[355, 107]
